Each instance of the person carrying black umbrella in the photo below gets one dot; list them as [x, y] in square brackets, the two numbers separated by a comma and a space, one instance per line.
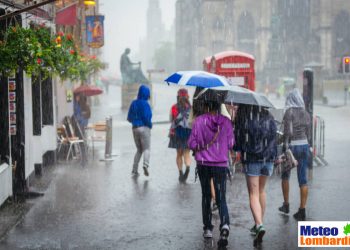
[255, 132]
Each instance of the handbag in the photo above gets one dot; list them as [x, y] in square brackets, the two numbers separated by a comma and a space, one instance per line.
[288, 161]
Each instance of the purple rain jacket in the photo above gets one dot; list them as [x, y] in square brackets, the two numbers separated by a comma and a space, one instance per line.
[204, 129]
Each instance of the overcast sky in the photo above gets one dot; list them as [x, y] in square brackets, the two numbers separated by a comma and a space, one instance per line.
[125, 26]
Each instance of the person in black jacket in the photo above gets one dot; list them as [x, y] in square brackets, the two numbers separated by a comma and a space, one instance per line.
[255, 132]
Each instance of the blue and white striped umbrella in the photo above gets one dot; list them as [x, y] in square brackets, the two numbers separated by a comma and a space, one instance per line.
[197, 78]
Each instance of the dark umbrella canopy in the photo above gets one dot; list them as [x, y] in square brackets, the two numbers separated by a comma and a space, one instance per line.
[210, 95]
[88, 90]
[239, 95]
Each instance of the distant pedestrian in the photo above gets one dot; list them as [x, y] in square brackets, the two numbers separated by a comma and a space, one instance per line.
[82, 111]
[256, 140]
[140, 116]
[180, 132]
[296, 137]
[82, 114]
[211, 140]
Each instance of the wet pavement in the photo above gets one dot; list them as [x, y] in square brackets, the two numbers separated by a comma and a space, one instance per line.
[103, 207]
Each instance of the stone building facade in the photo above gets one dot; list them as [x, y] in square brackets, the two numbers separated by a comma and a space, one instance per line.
[283, 35]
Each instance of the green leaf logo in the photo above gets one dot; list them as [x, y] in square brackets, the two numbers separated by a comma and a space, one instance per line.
[347, 229]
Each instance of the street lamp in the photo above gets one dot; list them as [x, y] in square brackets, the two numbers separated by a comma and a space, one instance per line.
[90, 2]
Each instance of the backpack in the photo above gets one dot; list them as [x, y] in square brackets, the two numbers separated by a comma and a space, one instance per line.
[258, 132]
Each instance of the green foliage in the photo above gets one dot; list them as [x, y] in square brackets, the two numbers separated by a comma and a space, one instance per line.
[347, 229]
[38, 52]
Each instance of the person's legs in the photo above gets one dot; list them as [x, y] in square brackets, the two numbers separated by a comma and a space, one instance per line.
[302, 174]
[266, 171]
[146, 148]
[303, 196]
[187, 160]
[285, 191]
[187, 157]
[138, 154]
[179, 163]
[262, 195]
[219, 181]
[213, 196]
[204, 178]
[253, 190]
[301, 155]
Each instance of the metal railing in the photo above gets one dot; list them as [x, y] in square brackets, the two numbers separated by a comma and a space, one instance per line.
[319, 141]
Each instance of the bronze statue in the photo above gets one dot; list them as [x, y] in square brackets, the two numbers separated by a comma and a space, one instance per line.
[130, 73]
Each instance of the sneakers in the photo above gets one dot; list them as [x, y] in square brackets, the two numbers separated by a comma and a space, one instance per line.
[185, 176]
[207, 234]
[300, 215]
[223, 241]
[214, 207]
[145, 171]
[135, 173]
[284, 208]
[260, 232]
[253, 230]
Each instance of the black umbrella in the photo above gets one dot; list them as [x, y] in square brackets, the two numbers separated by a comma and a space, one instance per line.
[210, 95]
[239, 95]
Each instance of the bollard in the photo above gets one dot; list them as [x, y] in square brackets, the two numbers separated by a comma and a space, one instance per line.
[109, 139]
[346, 95]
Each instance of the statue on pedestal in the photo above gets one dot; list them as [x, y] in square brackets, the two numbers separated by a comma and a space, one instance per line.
[131, 72]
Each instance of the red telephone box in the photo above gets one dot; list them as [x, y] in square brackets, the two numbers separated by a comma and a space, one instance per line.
[236, 66]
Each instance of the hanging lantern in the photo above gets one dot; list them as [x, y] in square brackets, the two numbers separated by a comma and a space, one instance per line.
[90, 2]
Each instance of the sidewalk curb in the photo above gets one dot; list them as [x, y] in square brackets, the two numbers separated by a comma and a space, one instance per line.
[13, 214]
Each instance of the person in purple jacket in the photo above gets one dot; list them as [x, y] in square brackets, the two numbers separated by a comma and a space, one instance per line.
[211, 140]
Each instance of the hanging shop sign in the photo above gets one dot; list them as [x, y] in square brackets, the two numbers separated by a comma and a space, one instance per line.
[95, 31]
[12, 106]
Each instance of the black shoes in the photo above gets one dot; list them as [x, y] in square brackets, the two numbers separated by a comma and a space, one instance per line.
[181, 176]
[300, 215]
[284, 208]
[145, 171]
[186, 174]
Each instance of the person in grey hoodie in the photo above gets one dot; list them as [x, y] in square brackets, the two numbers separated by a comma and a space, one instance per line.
[296, 136]
[211, 140]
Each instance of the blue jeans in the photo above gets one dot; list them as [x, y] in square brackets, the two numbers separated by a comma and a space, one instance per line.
[259, 169]
[218, 174]
[301, 154]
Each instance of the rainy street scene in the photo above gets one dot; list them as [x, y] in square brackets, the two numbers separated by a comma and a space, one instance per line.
[174, 124]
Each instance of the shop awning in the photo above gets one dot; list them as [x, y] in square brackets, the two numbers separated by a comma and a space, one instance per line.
[67, 15]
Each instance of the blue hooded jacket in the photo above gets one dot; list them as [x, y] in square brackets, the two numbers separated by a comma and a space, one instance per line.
[140, 113]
